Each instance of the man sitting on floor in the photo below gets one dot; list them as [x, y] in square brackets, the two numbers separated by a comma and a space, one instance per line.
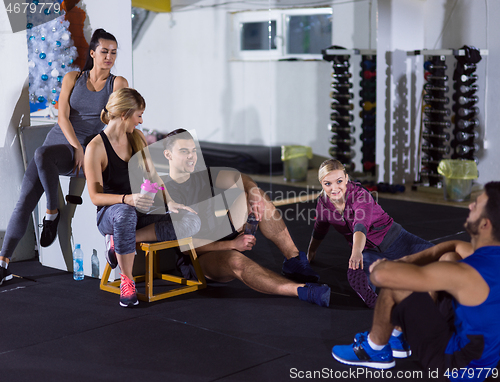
[220, 255]
[449, 311]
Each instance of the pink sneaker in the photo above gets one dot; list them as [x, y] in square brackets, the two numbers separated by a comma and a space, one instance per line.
[128, 295]
[110, 251]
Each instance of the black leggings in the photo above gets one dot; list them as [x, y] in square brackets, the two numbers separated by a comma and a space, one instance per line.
[42, 175]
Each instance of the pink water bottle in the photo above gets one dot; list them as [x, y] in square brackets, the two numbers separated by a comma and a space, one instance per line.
[150, 189]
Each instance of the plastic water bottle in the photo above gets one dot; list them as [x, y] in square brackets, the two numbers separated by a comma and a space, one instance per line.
[251, 226]
[149, 189]
[95, 264]
[78, 263]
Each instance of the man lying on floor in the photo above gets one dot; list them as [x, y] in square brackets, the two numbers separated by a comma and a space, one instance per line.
[448, 310]
[219, 244]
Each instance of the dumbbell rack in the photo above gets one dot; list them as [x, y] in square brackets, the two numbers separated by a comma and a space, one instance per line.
[444, 134]
[436, 120]
[343, 138]
[368, 111]
[465, 132]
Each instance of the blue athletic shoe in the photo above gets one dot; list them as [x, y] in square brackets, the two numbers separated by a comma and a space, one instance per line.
[298, 269]
[318, 294]
[400, 348]
[361, 354]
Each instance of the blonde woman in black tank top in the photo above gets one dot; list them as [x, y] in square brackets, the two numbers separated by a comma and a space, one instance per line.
[106, 169]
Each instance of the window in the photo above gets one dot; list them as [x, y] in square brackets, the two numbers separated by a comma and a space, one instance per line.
[281, 33]
[308, 34]
[258, 36]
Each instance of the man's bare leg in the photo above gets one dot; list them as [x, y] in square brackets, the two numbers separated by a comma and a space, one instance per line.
[147, 233]
[382, 327]
[225, 266]
[273, 228]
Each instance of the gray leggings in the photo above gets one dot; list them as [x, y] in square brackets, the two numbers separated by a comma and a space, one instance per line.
[42, 175]
[122, 220]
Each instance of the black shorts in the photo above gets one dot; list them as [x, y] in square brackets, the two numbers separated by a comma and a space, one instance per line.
[428, 326]
[184, 264]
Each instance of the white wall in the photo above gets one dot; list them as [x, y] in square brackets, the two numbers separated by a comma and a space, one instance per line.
[115, 17]
[185, 73]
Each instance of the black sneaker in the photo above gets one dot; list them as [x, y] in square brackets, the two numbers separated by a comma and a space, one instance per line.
[5, 275]
[110, 251]
[298, 269]
[49, 231]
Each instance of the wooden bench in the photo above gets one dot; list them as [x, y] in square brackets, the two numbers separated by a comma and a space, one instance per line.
[151, 273]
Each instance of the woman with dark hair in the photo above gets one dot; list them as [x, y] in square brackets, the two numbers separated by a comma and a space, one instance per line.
[83, 95]
[107, 164]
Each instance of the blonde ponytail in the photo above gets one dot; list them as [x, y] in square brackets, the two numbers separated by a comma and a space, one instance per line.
[123, 102]
[136, 141]
[104, 116]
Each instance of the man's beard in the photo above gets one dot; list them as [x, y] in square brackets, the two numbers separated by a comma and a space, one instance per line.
[473, 227]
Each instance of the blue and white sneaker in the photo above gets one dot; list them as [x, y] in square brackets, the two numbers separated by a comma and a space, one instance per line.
[361, 354]
[400, 348]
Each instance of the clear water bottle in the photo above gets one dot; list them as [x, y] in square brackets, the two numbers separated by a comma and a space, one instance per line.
[78, 263]
[95, 264]
[251, 226]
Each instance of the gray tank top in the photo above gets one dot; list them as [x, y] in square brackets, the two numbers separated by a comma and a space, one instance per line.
[85, 112]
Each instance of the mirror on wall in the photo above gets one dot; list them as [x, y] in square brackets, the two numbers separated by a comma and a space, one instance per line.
[248, 78]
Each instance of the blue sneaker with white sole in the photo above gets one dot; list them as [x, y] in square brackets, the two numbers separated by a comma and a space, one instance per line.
[360, 353]
[400, 348]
